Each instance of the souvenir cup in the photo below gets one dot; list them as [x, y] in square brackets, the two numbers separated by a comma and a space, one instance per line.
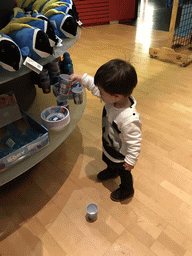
[44, 81]
[54, 76]
[78, 95]
[62, 100]
[44, 74]
[54, 66]
[92, 211]
[46, 87]
[64, 82]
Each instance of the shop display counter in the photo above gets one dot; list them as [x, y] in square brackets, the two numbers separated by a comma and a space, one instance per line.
[21, 81]
[41, 102]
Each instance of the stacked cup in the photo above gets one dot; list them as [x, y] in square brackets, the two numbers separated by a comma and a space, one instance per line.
[78, 95]
[62, 90]
[62, 100]
[45, 81]
[54, 71]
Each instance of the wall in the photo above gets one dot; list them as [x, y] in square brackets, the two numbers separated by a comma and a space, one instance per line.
[122, 10]
[93, 12]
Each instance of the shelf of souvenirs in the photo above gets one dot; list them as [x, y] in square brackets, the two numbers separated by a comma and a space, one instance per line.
[6, 76]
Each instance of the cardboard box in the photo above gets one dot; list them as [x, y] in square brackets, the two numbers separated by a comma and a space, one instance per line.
[21, 139]
[9, 110]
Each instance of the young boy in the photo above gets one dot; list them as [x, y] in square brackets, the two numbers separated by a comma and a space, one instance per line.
[121, 125]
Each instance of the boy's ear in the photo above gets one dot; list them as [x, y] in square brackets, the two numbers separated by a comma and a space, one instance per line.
[118, 96]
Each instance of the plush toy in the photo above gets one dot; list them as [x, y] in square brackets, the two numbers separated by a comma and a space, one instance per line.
[43, 6]
[10, 54]
[71, 10]
[35, 41]
[65, 24]
[24, 3]
[34, 29]
[37, 22]
[17, 13]
[50, 28]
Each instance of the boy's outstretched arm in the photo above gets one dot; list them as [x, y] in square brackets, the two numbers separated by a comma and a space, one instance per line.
[86, 81]
[75, 78]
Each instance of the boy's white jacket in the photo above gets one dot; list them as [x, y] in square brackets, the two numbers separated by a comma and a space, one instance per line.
[121, 128]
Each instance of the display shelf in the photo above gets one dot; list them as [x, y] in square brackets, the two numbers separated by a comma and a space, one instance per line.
[21, 82]
[6, 76]
[41, 102]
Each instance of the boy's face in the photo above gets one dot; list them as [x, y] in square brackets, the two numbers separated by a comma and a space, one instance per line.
[106, 97]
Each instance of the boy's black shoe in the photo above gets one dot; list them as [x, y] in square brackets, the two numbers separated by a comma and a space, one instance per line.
[120, 194]
[107, 174]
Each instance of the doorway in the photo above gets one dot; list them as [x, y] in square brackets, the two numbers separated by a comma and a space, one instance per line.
[159, 13]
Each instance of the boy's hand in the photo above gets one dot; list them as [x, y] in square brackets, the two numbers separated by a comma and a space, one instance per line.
[128, 167]
[75, 78]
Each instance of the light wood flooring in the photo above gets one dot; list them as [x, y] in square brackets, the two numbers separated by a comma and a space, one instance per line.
[42, 213]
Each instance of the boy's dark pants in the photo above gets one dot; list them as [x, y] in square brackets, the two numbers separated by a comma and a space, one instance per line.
[125, 176]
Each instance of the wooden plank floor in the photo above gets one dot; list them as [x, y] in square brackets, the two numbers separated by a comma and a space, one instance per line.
[42, 213]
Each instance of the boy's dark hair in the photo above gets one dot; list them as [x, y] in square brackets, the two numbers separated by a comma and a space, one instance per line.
[116, 77]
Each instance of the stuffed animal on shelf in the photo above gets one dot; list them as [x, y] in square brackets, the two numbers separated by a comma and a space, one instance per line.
[34, 29]
[71, 10]
[24, 3]
[36, 21]
[10, 54]
[50, 28]
[65, 24]
[33, 40]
